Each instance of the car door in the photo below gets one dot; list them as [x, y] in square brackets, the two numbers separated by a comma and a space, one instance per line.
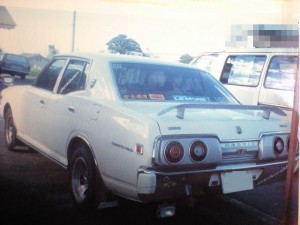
[35, 103]
[63, 106]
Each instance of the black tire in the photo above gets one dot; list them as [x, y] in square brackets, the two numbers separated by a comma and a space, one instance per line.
[10, 131]
[83, 179]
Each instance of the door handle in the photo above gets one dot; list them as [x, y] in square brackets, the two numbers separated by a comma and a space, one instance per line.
[71, 109]
[42, 102]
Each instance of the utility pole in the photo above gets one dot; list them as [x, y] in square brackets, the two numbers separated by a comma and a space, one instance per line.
[287, 220]
[73, 33]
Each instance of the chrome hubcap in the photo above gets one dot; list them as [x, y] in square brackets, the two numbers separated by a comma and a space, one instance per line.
[80, 181]
[9, 130]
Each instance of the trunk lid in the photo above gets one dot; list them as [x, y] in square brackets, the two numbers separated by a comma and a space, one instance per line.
[227, 122]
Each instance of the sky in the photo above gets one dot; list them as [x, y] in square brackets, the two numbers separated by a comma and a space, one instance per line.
[166, 28]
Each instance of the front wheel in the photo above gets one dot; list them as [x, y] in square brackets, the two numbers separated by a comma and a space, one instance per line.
[10, 132]
[82, 179]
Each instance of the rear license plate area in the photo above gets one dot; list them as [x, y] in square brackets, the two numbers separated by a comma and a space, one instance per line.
[236, 181]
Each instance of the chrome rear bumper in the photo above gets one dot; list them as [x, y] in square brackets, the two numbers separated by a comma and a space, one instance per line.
[155, 184]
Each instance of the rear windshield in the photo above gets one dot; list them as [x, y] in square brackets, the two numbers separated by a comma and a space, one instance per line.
[137, 81]
[16, 58]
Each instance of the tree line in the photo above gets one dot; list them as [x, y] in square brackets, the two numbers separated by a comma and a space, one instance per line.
[123, 45]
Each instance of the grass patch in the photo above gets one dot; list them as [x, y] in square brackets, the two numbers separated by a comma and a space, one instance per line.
[34, 72]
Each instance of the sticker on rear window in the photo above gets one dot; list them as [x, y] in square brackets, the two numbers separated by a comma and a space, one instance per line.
[137, 96]
[190, 98]
[156, 97]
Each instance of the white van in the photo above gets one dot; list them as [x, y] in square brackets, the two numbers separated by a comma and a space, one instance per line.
[256, 76]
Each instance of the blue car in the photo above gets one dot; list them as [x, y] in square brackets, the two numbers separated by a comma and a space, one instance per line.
[14, 65]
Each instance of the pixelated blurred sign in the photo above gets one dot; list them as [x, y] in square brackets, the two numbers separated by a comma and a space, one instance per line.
[263, 36]
[6, 20]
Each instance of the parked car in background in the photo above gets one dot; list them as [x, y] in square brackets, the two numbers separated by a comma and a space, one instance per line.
[255, 76]
[14, 65]
[143, 129]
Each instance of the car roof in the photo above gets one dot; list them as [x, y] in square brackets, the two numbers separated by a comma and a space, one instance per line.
[122, 58]
[252, 50]
[6, 53]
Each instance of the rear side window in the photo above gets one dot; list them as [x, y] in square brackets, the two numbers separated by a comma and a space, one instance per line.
[243, 70]
[74, 77]
[16, 58]
[281, 73]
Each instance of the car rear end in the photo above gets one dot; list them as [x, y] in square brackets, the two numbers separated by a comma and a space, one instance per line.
[217, 150]
[14, 65]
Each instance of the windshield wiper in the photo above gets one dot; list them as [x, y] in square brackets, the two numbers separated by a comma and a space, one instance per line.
[181, 109]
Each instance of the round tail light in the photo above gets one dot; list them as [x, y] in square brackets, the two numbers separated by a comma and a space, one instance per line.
[198, 151]
[174, 152]
[278, 146]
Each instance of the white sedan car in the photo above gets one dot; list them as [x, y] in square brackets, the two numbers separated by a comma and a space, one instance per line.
[145, 130]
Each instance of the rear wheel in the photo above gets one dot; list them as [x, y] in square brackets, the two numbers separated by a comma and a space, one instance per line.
[10, 131]
[82, 179]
